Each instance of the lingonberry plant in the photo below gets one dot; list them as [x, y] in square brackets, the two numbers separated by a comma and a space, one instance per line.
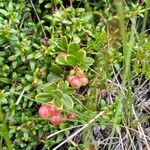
[74, 74]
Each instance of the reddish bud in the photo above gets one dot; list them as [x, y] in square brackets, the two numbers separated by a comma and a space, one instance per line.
[75, 83]
[70, 78]
[44, 111]
[53, 111]
[83, 80]
[56, 119]
[71, 117]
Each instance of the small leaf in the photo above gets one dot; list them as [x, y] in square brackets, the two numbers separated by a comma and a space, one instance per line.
[88, 62]
[14, 64]
[57, 93]
[12, 58]
[76, 38]
[51, 77]
[73, 48]
[32, 65]
[56, 69]
[28, 87]
[70, 60]
[44, 97]
[38, 55]
[81, 55]
[49, 87]
[41, 1]
[64, 86]
[67, 102]
[26, 136]
[64, 42]
[5, 80]
[4, 12]
[48, 5]
[29, 77]
[57, 102]
[60, 59]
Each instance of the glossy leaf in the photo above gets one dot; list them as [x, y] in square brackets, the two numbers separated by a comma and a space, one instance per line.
[67, 102]
[71, 60]
[73, 48]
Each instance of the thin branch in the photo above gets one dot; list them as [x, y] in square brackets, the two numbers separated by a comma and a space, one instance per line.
[51, 135]
[141, 129]
[20, 97]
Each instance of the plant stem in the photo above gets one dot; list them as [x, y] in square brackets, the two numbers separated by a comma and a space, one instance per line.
[145, 16]
[4, 130]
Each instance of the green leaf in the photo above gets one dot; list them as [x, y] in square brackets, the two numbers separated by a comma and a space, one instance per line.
[5, 80]
[56, 69]
[64, 42]
[76, 38]
[67, 102]
[49, 87]
[60, 59]
[88, 62]
[43, 97]
[71, 60]
[29, 77]
[81, 55]
[57, 93]
[64, 86]
[32, 65]
[41, 1]
[58, 103]
[26, 136]
[28, 87]
[73, 48]
[51, 77]
[48, 5]
[4, 12]
[12, 58]
[14, 64]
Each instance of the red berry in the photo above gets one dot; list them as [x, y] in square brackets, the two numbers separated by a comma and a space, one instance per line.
[53, 110]
[71, 117]
[56, 119]
[83, 80]
[75, 83]
[44, 111]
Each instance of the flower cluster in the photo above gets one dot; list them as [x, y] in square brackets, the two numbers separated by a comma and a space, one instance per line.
[77, 78]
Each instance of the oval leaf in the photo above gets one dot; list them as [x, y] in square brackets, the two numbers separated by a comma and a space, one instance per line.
[88, 62]
[60, 59]
[67, 102]
[57, 93]
[49, 87]
[43, 97]
[81, 55]
[64, 42]
[71, 60]
[73, 48]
